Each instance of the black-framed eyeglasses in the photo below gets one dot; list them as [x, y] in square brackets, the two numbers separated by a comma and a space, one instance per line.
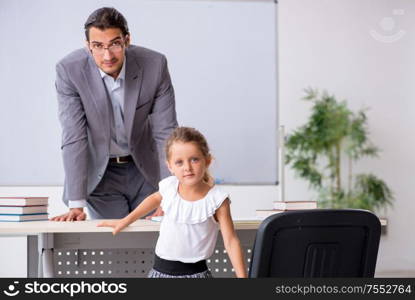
[114, 47]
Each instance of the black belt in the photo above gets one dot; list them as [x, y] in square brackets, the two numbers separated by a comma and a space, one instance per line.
[177, 267]
[121, 159]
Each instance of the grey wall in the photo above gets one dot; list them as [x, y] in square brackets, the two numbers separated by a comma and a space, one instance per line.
[361, 51]
[222, 58]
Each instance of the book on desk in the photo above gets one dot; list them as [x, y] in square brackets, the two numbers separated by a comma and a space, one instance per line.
[21, 209]
[23, 218]
[282, 206]
[23, 201]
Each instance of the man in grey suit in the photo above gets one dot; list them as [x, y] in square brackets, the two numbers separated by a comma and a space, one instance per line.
[116, 108]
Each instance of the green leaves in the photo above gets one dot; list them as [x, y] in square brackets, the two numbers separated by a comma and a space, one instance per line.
[358, 140]
[372, 192]
[316, 149]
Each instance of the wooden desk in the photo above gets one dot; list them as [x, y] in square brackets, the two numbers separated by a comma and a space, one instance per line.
[81, 249]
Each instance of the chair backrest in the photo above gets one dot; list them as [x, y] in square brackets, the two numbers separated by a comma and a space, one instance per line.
[316, 243]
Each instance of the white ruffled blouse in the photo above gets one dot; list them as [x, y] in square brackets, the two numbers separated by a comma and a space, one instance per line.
[188, 230]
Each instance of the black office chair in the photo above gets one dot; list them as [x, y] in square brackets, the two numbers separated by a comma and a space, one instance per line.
[316, 243]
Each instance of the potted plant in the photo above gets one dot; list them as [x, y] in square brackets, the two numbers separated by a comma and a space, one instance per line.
[317, 151]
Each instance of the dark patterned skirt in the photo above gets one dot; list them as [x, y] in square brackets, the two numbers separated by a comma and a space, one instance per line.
[156, 274]
[176, 269]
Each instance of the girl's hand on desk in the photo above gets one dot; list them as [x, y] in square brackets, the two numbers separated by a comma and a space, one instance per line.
[118, 225]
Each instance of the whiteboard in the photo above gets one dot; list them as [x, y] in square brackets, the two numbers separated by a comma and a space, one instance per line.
[222, 58]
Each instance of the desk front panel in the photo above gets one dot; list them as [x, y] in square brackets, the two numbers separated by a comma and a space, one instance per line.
[128, 254]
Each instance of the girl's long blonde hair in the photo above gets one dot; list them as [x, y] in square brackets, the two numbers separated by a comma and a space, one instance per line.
[191, 135]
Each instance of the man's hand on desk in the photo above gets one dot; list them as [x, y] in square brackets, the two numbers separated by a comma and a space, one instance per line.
[74, 214]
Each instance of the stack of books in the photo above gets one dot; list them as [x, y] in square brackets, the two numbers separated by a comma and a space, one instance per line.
[20, 209]
[281, 206]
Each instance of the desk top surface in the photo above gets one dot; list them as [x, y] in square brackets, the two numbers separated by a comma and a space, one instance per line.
[36, 227]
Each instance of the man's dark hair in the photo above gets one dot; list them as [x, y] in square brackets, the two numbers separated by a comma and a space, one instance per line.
[104, 18]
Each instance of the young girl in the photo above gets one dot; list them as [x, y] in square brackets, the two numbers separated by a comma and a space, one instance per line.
[194, 209]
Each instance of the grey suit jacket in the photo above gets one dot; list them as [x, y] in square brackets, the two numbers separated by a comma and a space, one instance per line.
[84, 114]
